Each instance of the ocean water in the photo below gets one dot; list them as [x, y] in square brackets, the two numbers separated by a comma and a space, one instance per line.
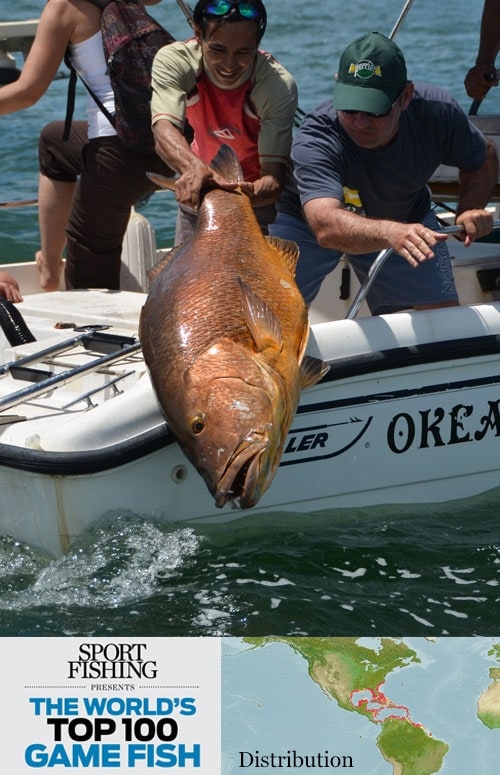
[416, 570]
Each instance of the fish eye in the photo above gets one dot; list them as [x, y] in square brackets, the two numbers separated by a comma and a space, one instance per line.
[198, 424]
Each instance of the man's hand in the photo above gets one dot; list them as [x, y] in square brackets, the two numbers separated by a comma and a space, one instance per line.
[197, 178]
[263, 191]
[413, 241]
[476, 223]
[10, 291]
[480, 79]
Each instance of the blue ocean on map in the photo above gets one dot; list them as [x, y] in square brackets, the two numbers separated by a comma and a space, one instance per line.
[418, 570]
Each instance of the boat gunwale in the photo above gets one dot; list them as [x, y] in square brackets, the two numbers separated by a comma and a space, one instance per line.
[417, 354]
[87, 461]
[91, 461]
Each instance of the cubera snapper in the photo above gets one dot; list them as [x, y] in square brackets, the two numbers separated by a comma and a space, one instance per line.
[223, 330]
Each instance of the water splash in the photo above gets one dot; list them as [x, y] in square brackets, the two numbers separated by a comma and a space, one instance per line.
[126, 560]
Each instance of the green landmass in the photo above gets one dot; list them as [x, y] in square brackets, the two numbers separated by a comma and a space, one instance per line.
[409, 749]
[488, 704]
[341, 666]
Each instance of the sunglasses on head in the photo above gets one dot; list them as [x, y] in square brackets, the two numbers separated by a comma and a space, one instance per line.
[245, 9]
[367, 113]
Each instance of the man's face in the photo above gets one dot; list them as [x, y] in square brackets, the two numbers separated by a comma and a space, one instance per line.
[228, 51]
[375, 132]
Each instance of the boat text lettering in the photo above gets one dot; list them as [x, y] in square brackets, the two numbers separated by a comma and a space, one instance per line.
[438, 428]
[307, 441]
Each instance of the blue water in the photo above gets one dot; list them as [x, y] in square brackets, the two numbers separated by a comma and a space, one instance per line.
[392, 571]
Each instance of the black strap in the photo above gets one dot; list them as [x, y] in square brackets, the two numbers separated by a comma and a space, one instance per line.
[70, 104]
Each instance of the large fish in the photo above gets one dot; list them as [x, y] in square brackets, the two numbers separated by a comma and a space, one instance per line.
[223, 331]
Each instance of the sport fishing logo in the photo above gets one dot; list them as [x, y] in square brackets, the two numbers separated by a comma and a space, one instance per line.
[365, 70]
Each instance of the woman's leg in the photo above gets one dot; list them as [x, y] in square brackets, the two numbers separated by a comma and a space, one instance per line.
[112, 180]
[54, 205]
[60, 163]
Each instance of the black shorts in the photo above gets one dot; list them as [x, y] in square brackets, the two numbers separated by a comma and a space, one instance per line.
[60, 160]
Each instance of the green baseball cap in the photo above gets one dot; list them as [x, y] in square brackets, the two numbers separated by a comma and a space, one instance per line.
[372, 74]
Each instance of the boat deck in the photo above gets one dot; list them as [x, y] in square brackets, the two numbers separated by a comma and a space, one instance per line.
[86, 352]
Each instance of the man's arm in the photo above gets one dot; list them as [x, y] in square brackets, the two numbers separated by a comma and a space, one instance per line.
[275, 97]
[476, 187]
[340, 229]
[267, 188]
[195, 175]
[483, 75]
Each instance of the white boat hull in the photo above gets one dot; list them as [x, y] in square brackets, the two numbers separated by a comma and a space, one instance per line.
[409, 413]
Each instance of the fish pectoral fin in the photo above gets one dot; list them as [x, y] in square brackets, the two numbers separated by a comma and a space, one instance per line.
[264, 325]
[161, 181]
[312, 370]
[162, 263]
[288, 250]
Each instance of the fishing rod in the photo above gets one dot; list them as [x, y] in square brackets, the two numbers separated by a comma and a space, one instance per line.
[20, 203]
[187, 11]
[400, 19]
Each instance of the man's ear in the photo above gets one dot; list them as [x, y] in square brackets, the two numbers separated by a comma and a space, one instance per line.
[198, 34]
[407, 95]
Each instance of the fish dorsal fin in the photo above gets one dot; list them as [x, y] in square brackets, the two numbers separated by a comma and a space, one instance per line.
[162, 263]
[226, 163]
[289, 251]
[312, 370]
[264, 325]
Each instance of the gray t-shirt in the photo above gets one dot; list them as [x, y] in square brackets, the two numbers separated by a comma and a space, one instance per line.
[390, 183]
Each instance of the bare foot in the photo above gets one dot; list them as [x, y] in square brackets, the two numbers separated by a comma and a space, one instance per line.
[49, 277]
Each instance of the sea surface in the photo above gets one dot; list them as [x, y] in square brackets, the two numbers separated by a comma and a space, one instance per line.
[416, 570]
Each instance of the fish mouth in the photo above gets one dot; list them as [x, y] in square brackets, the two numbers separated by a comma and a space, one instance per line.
[239, 483]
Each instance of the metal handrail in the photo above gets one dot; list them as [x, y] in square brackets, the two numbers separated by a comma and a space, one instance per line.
[378, 264]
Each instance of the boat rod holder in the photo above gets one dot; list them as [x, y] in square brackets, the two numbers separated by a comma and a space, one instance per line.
[63, 378]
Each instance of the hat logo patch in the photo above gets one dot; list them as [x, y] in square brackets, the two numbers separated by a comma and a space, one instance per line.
[365, 70]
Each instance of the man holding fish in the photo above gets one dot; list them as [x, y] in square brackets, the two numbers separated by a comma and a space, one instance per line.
[361, 164]
[229, 92]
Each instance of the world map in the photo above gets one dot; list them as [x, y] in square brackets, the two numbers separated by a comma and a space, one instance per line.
[373, 706]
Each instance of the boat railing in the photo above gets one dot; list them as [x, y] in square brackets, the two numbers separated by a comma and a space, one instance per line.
[377, 266]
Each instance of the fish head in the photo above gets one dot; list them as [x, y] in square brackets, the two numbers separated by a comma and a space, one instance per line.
[232, 422]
